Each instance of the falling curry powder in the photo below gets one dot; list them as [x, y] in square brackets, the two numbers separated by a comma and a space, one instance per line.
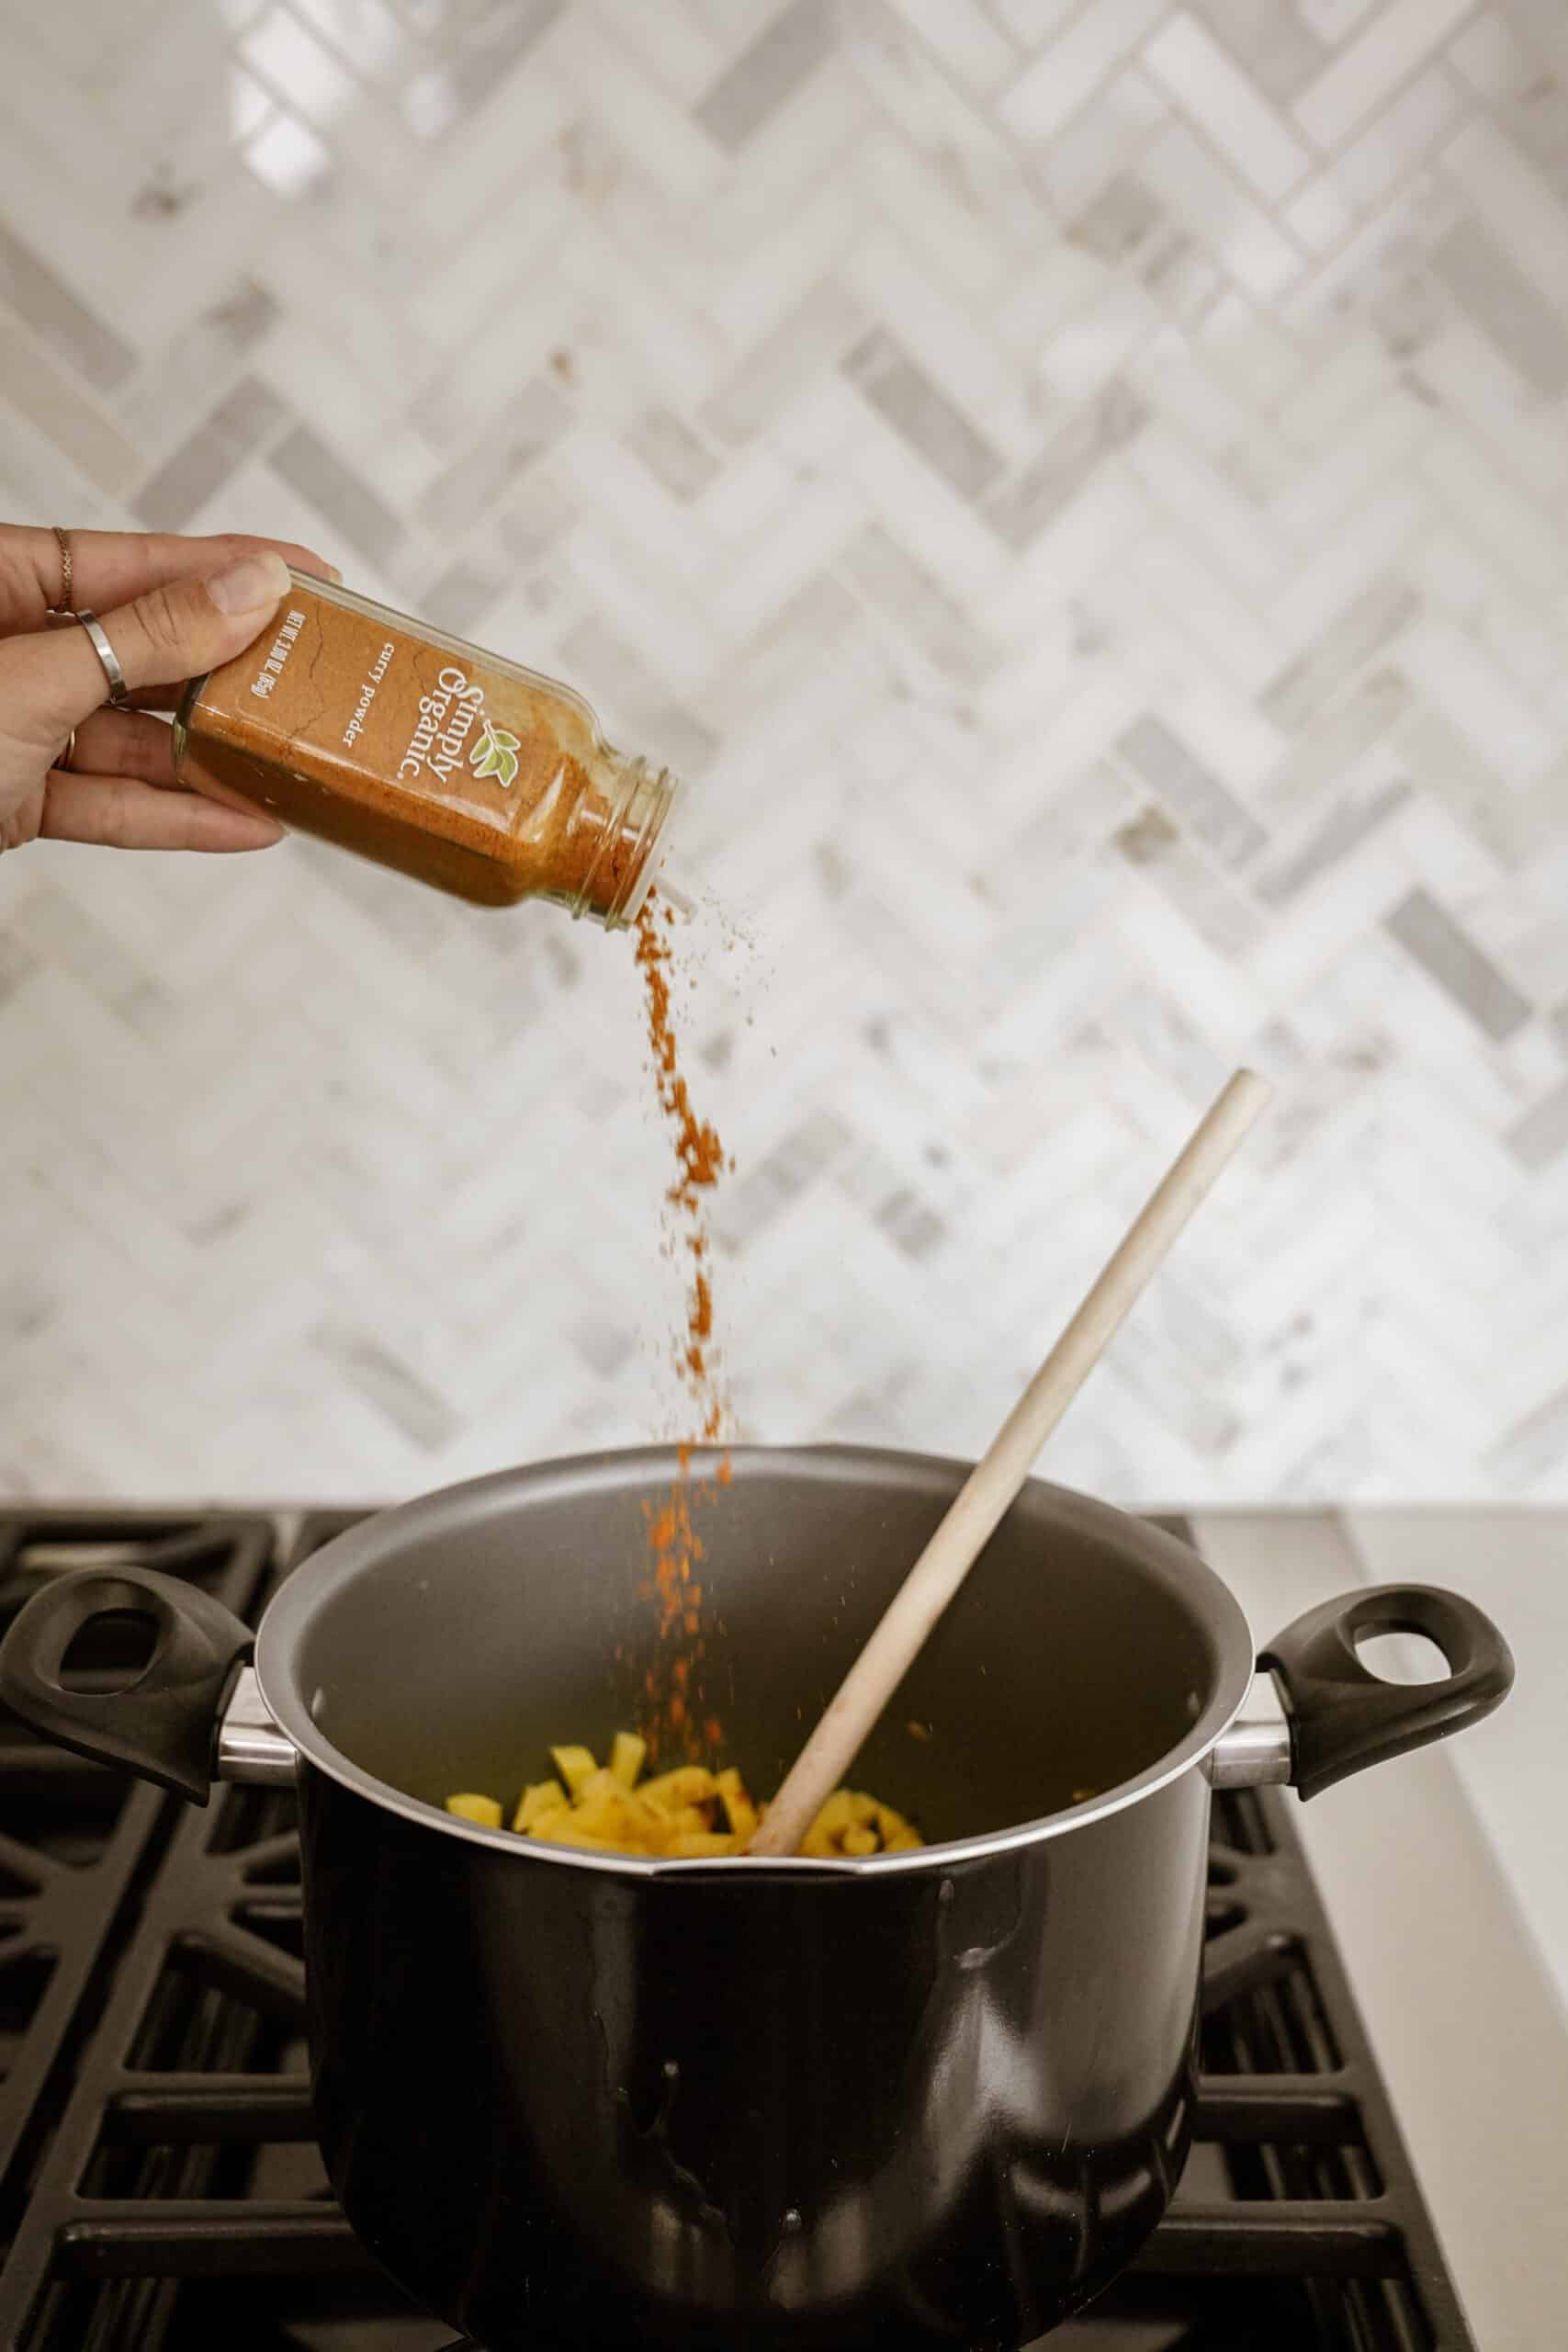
[676, 1713]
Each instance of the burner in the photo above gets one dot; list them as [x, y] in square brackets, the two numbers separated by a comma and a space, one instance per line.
[161, 2189]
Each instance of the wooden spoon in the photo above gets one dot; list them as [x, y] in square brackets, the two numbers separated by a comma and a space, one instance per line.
[995, 1480]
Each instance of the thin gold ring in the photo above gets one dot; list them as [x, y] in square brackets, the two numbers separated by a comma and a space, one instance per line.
[66, 605]
[64, 763]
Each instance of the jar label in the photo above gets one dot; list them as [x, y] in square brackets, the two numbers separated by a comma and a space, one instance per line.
[337, 689]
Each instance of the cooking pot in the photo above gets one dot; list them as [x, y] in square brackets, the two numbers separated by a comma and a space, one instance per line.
[929, 2098]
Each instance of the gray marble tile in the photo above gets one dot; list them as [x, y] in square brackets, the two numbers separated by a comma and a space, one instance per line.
[176, 386]
[356, 517]
[768, 73]
[921, 411]
[249, 417]
[1205, 805]
[672, 452]
[604, 1347]
[60, 318]
[811, 337]
[1541, 1136]
[1333, 839]
[1368, 624]
[1448, 768]
[918, 604]
[460, 596]
[1449, 955]
[914, 1228]
[1020, 510]
[493, 37]
[1535, 119]
[35, 387]
[1121, 222]
[1275, 44]
[1333, 739]
[388, 1385]
[1501, 301]
[1152, 845]
[779, 1179]
[475, 484]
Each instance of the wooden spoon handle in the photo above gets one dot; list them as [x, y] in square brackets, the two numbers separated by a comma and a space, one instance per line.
[995, 1480]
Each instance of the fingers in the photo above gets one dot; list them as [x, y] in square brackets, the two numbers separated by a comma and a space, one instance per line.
[179, 630]
[125, 744]
[121, 812]
[111, 568]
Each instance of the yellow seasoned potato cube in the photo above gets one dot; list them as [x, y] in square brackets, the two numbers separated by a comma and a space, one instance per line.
[540, 1796]
[572, 1832]
[547, 1825]
[836, 1817]
[484, 1810]
[575, 1766]
[739, 1811]
[688, 1813]
[688, 1784]
[602, 1816]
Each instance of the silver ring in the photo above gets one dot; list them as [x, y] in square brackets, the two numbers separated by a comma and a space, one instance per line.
[108, 656]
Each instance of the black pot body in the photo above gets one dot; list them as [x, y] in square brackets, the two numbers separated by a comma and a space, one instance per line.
[571, 2109]
[939, 2100]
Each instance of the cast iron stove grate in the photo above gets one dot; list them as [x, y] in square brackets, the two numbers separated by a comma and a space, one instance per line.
[160, 2186]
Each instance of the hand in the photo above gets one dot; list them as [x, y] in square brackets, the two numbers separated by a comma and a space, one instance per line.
[170, 608]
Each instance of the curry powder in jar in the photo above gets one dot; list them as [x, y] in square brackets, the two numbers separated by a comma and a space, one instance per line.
[370, 730]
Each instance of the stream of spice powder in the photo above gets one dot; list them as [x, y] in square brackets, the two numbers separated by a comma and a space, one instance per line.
[677, 1718]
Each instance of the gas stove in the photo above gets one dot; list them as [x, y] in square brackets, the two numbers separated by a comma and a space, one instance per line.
[160, 2186]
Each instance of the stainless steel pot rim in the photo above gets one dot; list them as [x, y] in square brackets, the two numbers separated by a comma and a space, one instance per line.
[356, 1552]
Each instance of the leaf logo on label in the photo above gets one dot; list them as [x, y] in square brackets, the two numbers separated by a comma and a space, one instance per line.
[495, 753]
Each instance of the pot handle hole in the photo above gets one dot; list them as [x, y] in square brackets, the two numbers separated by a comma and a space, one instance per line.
[161, 1724]
[1341, 1716]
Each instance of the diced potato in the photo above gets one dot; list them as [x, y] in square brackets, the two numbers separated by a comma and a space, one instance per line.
[739, 1811]
[540, 1796]
[688, 1784]
[570, 1832]
[575, 1766]
[688, 1813]
[836, 1817]
[548, 1825]
[484, 1810]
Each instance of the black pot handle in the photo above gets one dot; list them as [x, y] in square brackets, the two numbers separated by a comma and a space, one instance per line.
[163, 1726]
[1343, 1717]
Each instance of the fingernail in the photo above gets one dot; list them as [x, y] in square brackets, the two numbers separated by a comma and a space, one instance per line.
[246, 586]
[335, 575]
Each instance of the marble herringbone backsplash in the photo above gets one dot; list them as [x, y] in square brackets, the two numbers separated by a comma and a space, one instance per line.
[1081, 487]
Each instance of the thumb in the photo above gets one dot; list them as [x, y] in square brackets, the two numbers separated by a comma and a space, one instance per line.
[176, 631]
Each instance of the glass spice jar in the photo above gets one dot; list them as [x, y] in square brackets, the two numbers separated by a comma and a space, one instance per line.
[458, 767]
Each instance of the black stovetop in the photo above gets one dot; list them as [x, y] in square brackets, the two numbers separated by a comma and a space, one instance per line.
[161, 2190]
